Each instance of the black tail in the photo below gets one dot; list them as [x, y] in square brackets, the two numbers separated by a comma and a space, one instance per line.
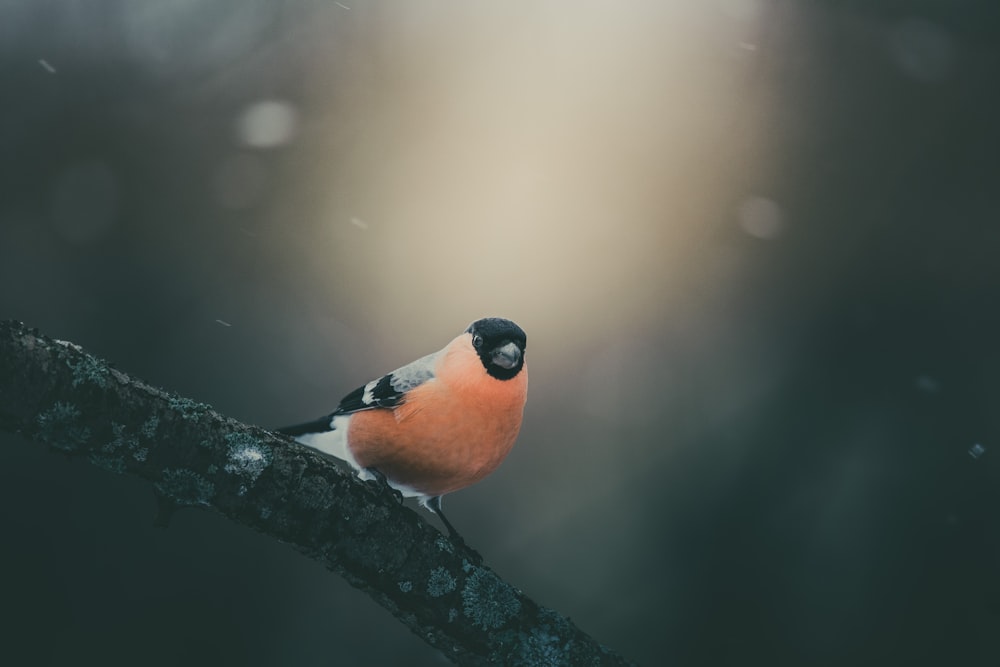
[321, 425]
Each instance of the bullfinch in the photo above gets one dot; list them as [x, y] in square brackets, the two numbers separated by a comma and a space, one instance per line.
[436, 425]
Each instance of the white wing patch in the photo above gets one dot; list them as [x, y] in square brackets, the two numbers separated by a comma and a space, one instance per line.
[369, 396]
[413, 374]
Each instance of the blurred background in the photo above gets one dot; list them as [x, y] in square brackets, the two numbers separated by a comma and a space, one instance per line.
[753, 244]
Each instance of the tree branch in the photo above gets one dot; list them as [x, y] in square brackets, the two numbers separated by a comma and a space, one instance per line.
[55, 393]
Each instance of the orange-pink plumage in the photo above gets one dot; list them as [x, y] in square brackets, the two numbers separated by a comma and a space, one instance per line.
[438, 424]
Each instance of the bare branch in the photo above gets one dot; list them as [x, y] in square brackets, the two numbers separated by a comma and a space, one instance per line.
[53, 392]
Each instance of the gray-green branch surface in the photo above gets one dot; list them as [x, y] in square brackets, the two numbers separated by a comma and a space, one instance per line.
[55, 393]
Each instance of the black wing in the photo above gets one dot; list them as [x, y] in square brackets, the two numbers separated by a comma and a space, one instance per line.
[376, 394]
[321, 425]
[386, 392]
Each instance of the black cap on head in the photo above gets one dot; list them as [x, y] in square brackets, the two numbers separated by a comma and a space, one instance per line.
[500, 345]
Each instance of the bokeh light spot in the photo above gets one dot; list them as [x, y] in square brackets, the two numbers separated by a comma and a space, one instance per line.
[267, 124]
[927, 384]
[922, 49]
[761, 218]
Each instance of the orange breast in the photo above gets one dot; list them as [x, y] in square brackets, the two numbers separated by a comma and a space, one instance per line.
[450, 432]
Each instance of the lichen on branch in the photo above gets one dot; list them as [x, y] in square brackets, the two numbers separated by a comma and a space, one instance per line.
[55, 393]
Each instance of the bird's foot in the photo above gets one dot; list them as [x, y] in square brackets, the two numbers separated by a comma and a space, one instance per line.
[381, 484]
[470, 554]
[434, 505]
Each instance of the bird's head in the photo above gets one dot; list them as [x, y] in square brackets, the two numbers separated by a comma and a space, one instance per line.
[500, 345]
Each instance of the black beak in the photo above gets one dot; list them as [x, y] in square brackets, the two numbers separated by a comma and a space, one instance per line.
[506, 356]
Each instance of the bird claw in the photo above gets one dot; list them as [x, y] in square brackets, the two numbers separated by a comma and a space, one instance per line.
[470, 554]
[434, 505]
[382, 485]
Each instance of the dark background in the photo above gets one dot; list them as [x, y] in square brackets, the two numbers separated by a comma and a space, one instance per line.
[753, 245]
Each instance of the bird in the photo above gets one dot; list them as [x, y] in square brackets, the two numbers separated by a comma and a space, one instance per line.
[436, 425]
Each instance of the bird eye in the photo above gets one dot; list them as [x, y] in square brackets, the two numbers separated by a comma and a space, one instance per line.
[477, 340]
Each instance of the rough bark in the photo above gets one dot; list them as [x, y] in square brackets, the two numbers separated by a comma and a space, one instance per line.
[54, 393]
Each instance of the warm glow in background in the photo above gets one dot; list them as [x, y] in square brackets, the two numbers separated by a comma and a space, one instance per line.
[752, 243]
[559, 167]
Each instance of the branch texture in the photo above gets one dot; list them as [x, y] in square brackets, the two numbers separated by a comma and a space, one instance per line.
[54, 393]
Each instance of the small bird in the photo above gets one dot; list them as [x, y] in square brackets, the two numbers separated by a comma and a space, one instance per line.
[436, 425]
